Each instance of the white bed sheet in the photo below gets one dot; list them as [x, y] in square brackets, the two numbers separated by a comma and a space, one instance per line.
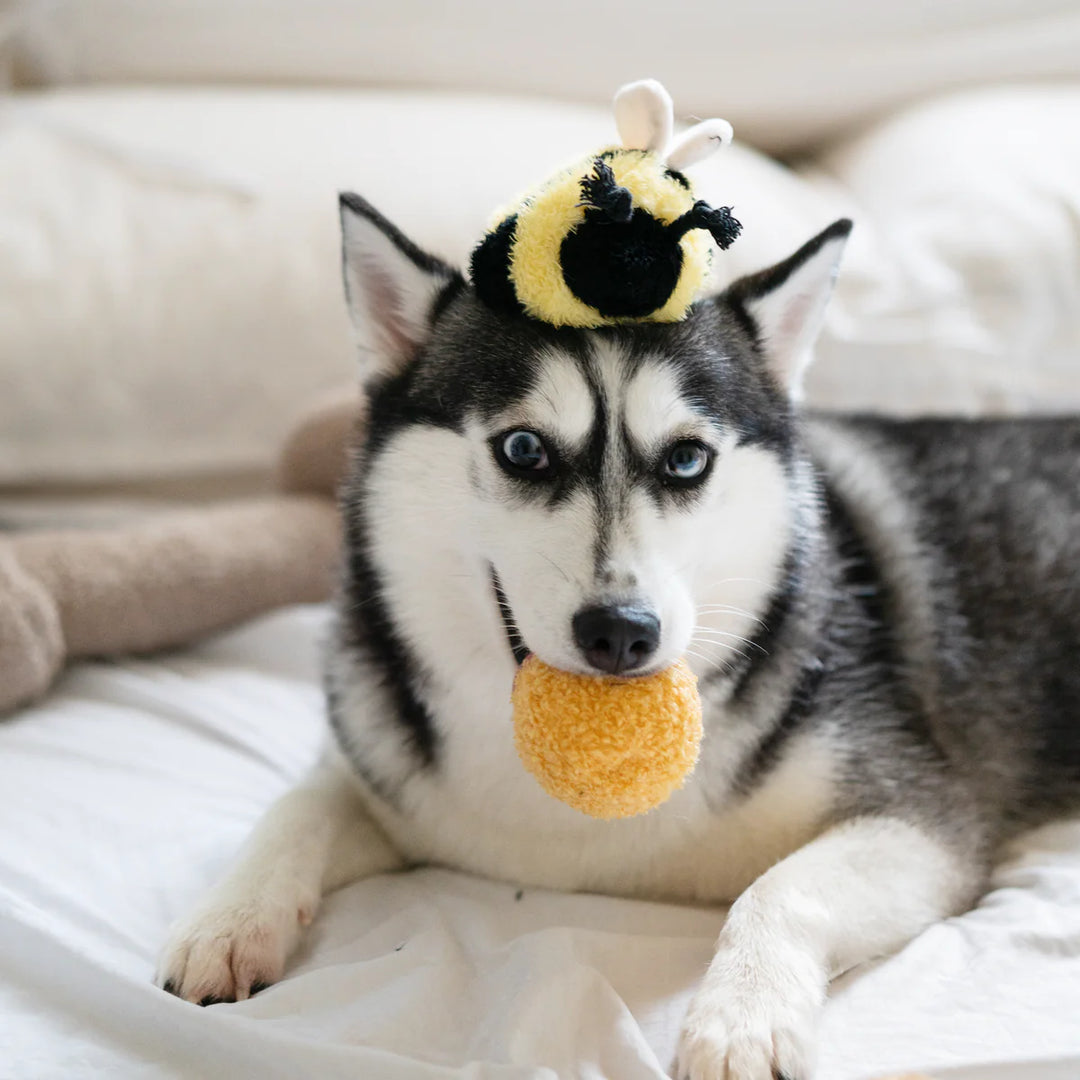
[124, 794]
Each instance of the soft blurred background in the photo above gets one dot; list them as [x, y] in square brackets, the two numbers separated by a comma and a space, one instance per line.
[169, 273]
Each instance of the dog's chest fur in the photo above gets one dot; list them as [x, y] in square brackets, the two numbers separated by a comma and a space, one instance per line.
[481, 812]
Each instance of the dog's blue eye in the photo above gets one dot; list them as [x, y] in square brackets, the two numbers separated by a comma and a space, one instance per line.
[524, 451]
[687, 460]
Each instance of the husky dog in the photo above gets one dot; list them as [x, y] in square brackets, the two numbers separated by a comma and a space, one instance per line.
[884, 618]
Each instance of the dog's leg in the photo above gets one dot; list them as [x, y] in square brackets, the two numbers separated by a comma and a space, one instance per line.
[314, 839]
[860, 890]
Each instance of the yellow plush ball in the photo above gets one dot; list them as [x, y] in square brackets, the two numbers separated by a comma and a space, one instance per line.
[608, 747]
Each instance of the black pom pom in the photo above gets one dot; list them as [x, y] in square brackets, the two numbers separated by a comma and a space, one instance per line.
[600, 192]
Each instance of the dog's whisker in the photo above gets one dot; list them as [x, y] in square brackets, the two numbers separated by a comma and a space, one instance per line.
[727, 609]
[710, 660]
[708, 631]
[739, 581]
[717, 645]
[705, 629]
[724, 607]
[358, 605]
[566, 577]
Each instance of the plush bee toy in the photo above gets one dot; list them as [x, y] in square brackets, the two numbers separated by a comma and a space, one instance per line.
[617, 237]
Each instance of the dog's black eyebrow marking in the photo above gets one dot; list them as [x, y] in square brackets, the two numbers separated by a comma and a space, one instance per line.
[645, 467]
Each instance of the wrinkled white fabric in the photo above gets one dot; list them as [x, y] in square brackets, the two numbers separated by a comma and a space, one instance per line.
[129, 789]
[968, 299]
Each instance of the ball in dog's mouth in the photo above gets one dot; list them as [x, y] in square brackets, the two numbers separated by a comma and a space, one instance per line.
[609, 747]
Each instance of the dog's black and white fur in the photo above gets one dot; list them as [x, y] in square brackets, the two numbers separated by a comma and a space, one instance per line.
[884, 618]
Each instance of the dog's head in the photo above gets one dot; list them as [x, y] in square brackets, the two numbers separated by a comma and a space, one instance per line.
[625, 495]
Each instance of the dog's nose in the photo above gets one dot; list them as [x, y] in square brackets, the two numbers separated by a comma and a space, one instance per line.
[616, 638]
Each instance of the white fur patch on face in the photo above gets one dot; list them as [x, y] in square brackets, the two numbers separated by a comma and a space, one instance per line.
[656, 411]
[422, 543]
[743, 536]
[560, 404]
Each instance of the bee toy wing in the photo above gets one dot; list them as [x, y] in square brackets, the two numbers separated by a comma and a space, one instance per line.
[644, 116]
[698, 143]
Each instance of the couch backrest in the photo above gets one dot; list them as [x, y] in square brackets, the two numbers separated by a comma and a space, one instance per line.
[787, 73]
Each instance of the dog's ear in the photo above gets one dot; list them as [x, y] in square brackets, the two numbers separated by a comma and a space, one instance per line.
[786, 303]
[391, 287]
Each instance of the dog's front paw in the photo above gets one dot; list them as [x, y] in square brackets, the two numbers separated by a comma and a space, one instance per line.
[725, 1043]
[231, 948]
[750, 1023]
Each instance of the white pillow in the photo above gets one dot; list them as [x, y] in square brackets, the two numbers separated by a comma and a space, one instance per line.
[962, 293]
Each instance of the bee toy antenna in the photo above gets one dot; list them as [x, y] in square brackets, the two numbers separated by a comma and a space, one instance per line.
[600, 192]
[718, 221]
